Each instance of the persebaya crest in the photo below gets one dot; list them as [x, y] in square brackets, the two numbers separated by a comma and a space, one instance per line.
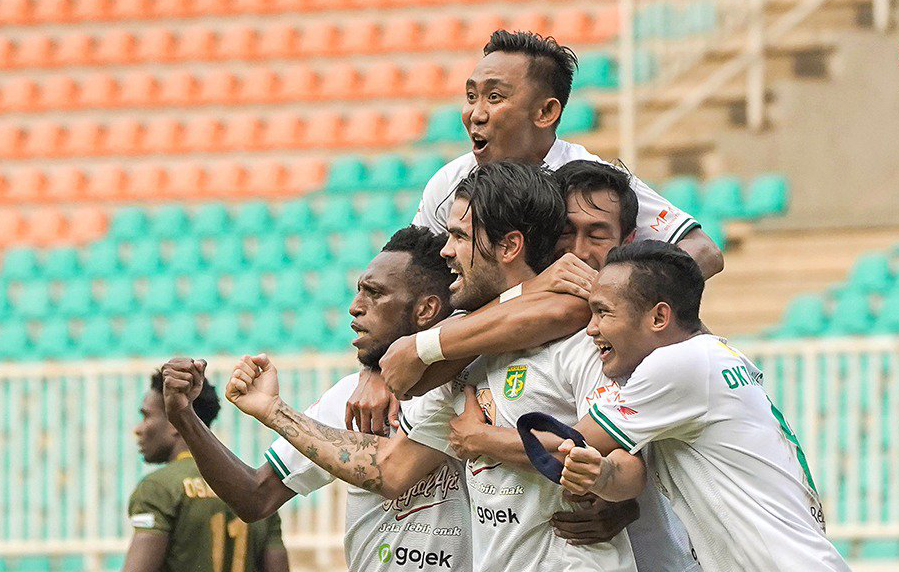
[515, 377]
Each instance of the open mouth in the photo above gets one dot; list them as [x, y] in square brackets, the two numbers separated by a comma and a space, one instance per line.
[458, 281]
[360, 332]
[478, 142]
[605, 350]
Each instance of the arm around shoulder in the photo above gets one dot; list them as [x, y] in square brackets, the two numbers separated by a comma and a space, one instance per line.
[704, 251]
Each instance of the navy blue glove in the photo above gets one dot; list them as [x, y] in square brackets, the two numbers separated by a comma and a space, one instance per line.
[543, 460]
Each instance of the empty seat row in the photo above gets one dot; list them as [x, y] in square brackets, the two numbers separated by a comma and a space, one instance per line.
[725, 198]
[286, 40]
[155, 181]
[50, 226]
[362, 127]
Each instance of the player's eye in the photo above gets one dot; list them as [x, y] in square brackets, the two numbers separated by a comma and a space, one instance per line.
[495, 96]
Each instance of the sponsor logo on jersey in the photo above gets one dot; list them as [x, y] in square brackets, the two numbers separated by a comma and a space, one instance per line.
[663, 220]
[437, 484]
[417, 558]
[610, 394]
[490, 517]
[515, 378]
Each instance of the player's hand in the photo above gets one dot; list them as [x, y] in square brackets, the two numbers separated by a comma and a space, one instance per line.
[595, 521]
[182, 382]
[253, 386]
[373, 408]
[401, 367]
[567, 275]
[467, 429]
[585, 470]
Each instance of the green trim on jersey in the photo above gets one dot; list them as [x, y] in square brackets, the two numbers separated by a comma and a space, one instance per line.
[683, 229]
[611, 429]
[275, 461]
[791, 437]
[406, 426]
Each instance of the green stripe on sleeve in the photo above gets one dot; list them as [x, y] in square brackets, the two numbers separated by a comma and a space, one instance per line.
[611, 429]
[405, 424]
[275, 461]
[683, 229]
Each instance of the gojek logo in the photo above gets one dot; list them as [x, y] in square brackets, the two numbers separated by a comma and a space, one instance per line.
[384, 553]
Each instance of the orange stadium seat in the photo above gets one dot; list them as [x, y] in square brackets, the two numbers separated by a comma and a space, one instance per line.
[605, 24]
[324, 129]
[26, 184]
[442, 33]
[284, 130]
[173, 9]
[98, 90]
[478, 29]
[53, 10]
[139, 88]
[243, 131]
[67, 183]
[179, 87]
[359, 36]
[157, 45]
[220, 85]
[34, 50]
[341, 81]
[15, 11]
[147, 181]
[131, 9]
[253, 6]
[305, 175]
[164, 135]
[108, 181]
[571, 25]
[319, 39]
[87, 223]
[197, 43]
[227, 178]
[187, 180]
[401, 35]
[532, 20]
[12, 139]
[260, 85]
[19, 94]
[279, 41]
[365, 127]
[211, 6]
[238, 42]
[384, 78]
[203, 133]
[300, 83]
[123, 136]
[45, 226]
[85, 138]
[59, 92]
[456, 76]
[7, 52]
[424, 78]
[75, 48]
[405, 125]
[45, 139]
[116, 46]
[91, 10]
[12, 226]
[267, 178]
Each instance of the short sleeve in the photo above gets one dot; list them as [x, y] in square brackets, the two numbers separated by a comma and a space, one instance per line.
[657, 219]
[273, 532]
[578, 359]
[665, 398]
[296, 471]
[153, 506]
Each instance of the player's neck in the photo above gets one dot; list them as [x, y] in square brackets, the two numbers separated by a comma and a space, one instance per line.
[515, 275]
[178, 450]
[677, 335]
[541, 149]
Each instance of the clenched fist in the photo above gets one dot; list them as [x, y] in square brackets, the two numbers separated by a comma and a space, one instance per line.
[253, 386]
[182, 382]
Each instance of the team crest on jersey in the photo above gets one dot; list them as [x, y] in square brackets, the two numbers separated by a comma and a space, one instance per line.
[515, 377]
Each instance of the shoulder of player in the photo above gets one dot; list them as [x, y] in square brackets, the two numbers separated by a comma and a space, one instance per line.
[571, 152]
[452, 172]
[167, 478]
[689, 358]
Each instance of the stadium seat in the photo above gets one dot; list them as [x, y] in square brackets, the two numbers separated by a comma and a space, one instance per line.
[12, 139]
[271, 253]
[578, 117]
[767, 196]
[252, 218]
[138, 336]
[97, 338]
[118, 297]
[365, 128]
[268, 178]
[67, 184]
[19, 94]
[76, 299]
[804, 316]
[404, 126]
[337, 214]
[871, 273]
[401, 35]
[290, 290]
[12, 228]
[445, 124]
[851, 315]
[129, 223]
[386, 173]
[359, 36]
[572, 25]
[262, 85]
[59, 92]
[308, 330]
[348, 173]
[478, 29]
[244, 131]
[179, 87]
[211, 219]
[19, 263]
[227, 178]
[98, 89]
[379, 212]
[101, 258]
[457, 75]
[224, 334]
[54, 341]
[284, 130]
[597, 69]
[164, 135]
[683, 192]
[227, 254]
[203, 293]
[425, 78]
[116, 45]
[108, 181]
[220, 86]
[203, 133]
[33, 300]
[144, 258]
[319, 39]
[443, 32]
[279, 40]
[46, 226]
[246, 292]
[169, 221]
[887, 321]
[723, 198]
[27, 185]
[266, 332]
[14, 340]
[186, 256]
[332, 288]
[124, 136]
[238, 42]
[156, 45]
[295, 217]
[180, 336]
[161, 295]
[61, 263]
[313, 253]
[354, 249]
[87, 223]
[422, 167]
[324, 129]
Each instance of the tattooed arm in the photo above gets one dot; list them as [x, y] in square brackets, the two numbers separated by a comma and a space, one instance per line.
[378, 464]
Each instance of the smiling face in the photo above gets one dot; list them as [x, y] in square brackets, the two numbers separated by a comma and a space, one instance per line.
[156, 437]
[501, 110]
[479, 279]
[592, 227]
[621, 332]
[382, 308]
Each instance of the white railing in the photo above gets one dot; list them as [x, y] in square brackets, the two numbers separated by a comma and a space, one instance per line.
[68, 460]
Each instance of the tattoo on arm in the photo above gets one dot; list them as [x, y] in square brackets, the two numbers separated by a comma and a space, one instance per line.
[349, 456]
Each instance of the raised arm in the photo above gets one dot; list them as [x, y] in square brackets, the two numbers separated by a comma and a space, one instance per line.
[253, 493]
[704, 251]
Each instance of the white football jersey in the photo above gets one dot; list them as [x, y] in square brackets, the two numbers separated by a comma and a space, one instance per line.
[511, 506]
[427, 528]
[724, 455]
[657, 219]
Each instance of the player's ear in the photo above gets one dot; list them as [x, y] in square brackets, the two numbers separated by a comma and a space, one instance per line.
[510, 247]
[426, 310]
[548, 113]
[630, 237]
[660, 316]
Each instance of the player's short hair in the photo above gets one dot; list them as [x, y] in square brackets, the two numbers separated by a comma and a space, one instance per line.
[206, 404]
[505, 196]
[662, 272]
[427, 273]
[586, 176]
[551, 64]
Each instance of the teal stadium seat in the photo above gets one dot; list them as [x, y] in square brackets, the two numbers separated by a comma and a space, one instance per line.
[723, 198]
[683, 192]
[170, 222]
[421, 168]
[102, 259]
[387, 173]
[578, 117]
[309, 329]
[138, 337]
[768, 195]
[887, 321]
[76, 299]
[656, 20]
[871, 273]
[33, 563]
[290, 289]
[246, 292]
[354, 249]
[224, 333]
[805, 316]
[596, 69]
[445, 124]
[700, 16]
[186, 256]
[295, 217]
[69, 563]
[20, 263]
[379, 212]
[161, 296]
[313, 252]
[180, 336]
[337, 214]
[266, 333]
[203, 293]
[211, 219]
[54, 341]
[118, 297]
[347, 174]
[408, 207]
[253, 218]
[340, 336]
[715, 229]
[97, 338]
[61, 263]
[332, 289]
[4, 301]
[851, 315]
[114, 562]
[15, 342]
[227, 254]
[33, 300]
[145, 258]
[129, 223]
[271, 253]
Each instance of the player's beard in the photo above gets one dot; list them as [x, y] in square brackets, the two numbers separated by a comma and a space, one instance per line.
[479, 286]
[372, 357]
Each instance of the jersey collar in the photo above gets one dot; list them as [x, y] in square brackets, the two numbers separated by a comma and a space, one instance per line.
[554, 153]
[183, 455]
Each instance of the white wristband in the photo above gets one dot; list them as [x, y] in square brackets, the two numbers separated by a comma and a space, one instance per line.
[513, 292]
[427, 344]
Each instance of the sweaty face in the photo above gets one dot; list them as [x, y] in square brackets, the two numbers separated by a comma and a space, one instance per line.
[619, 330]
[156, 437]
[501, 102]
[478, 278]
[592, 227]
[382, 307]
